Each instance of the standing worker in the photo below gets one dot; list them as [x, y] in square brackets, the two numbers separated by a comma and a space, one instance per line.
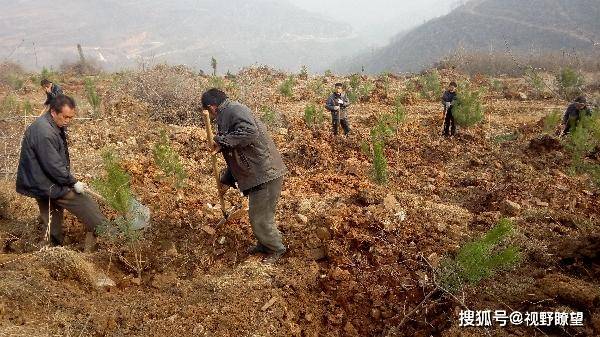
[44, 174]
[448, 100]
[337, 104]
[52, 90]
[253, 162]
[574, 113]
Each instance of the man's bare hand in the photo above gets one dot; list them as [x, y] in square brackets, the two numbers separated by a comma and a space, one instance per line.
[215, 148]
[223, 189]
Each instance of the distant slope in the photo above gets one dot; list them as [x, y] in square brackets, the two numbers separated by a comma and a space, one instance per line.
[236, 32]
[485, 25]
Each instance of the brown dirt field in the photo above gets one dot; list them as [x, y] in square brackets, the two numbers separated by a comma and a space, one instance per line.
[355, 268]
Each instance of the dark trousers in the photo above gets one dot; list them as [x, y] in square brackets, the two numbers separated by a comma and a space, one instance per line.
[343, 120]
[449, 125]
[81, 205]
[570, 125]
[262, 205]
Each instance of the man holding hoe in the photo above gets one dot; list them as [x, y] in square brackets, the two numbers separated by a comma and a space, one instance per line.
[253, 162]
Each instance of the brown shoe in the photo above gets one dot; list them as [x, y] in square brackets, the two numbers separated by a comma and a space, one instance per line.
[90, 243]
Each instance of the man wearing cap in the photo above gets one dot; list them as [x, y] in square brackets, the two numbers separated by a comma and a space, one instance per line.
[44, 174]
[574, 113]
[253, 162]
[337, 104]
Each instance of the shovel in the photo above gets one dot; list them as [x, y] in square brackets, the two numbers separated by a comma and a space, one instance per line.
[138, 213]
[235, 212]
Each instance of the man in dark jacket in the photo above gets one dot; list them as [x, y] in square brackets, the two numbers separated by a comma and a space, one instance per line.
[52, 90]
[574, 113]
[337, 104]
[44, 173]
[448, 100]
[253, 162]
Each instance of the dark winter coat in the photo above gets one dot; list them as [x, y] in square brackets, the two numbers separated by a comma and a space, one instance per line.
[334, 99]
[55, 90]
[44, 164]
[574, 114]
[448, 97]
[250, 153]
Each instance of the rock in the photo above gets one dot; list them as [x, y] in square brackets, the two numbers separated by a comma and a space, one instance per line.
[350, 329]
[317, 253]
[323, 234]
[308, 317]
[541, 203]
[434, 259]
[209, 230]
[390, 203]
[103, 281]
[522, 96]
[340, 274]
[269, 304]
[136, 280]
[304, 206]
[221, 240]
[375, 313]
[163, 281]
[510, 207]
[302, 218]
[172, 251]
[569, 290]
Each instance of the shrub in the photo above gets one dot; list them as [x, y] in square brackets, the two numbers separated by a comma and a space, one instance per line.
[27, 108]
[168, 160]
[380, 173]
[399, 111]
[582, 141]
[286, 88]
[379, 135]
[12, 74]
[569, 82]
[479, 259]
[268, 116]
[552, 121]
[114, 187]
[304, 72]
[216, 82]
[430, 85]
[359, 90]
[535, 80]
[468, 109]
[213, 65]
[92, 96]
[317, 87]
[9, 105]
[171, 93]
[313, 116]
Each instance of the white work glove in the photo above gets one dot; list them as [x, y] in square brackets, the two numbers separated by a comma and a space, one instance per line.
[448, 104]
[79, 187]
[336, 108]
[340, 101]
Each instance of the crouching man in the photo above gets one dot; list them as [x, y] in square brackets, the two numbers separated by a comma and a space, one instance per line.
[44, 174]
[253, 162]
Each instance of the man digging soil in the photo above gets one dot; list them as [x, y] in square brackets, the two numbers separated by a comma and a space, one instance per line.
[44, 174]
[253, 162]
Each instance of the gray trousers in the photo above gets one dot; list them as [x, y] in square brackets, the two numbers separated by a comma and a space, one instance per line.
[81, 205]
[262, 206]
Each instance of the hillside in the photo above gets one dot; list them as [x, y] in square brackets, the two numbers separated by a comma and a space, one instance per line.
[364, 259]
[121, 33]
[488, 25]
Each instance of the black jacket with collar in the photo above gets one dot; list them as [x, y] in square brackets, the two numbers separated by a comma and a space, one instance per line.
[44, 165]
